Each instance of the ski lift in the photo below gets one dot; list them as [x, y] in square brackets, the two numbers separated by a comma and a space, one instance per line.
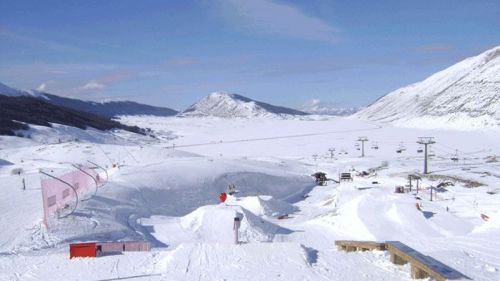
[420, 149]
[431, 153]
[455, 157]
[401, 148]
[374, 145]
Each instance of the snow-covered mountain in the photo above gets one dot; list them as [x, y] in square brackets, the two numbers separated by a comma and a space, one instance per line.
[13, 92]
[315, 106]
[466, 94]
[232, 105]
[108, 109]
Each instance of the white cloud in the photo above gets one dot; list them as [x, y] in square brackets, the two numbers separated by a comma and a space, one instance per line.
[44, 85]
[273, 18]
[93, 85]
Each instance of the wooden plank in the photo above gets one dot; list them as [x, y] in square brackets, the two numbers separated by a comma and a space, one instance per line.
[421, 262]
[351, 245]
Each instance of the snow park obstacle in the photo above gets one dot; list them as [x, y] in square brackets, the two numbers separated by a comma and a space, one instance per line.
[236, 228]
[96, 249]
[422, 266]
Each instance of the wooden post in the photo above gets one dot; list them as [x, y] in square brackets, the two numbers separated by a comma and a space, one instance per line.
[395, 259]
[417, 273]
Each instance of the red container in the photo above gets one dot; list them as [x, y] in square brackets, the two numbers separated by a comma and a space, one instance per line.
[222, 197]
[82, 250]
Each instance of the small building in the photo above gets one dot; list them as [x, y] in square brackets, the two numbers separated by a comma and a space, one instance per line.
[345, 177]
[82, 250]
[95, 249]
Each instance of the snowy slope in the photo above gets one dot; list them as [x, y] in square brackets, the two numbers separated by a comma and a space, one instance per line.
[232, 105]
[466, 94]
[168, 196]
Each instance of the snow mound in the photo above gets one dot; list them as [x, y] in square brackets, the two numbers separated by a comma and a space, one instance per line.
[263, 205]
[5, 162]
[214, 223]
[491, 224]
[466, 94]
[225, 105]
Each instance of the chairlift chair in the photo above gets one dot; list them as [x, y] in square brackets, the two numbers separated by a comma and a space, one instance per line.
[455, 157]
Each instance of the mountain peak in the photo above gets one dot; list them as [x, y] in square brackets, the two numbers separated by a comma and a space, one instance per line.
[491, 54]
[226, 105]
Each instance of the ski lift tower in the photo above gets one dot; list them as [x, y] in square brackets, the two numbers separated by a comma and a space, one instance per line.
[425, 141]
[332, 151]
[362, 140]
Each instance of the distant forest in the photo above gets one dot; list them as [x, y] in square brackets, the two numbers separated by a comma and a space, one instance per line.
[15, 111]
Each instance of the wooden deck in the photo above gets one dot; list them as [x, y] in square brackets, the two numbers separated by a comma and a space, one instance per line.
[351, 246]
[422, 266]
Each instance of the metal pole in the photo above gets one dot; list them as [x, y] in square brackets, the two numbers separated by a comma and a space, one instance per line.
[425, 160]
[426, 141]
[95, 180]
[362, 140]
[236, 227]
[105, 171]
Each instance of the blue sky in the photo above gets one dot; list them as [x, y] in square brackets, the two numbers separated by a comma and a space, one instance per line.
[172, 53]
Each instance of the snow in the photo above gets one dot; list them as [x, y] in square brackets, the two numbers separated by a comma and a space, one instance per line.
[224, 105]
[463, 96]
[166, 189]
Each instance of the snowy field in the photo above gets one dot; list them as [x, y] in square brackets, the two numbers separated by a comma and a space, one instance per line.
[165, 190]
